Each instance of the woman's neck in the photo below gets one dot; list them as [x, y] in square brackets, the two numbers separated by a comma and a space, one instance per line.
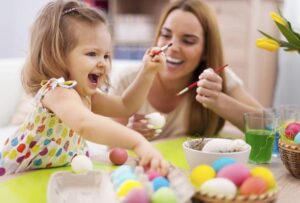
[162, 95]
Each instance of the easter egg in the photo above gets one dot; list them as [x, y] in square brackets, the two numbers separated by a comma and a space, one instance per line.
[81, 164]
[121, 170]
[164, 195]
[118, 156]
[219, 186]
[237, 173]
[152, 174]
[253, 186]
[156, 120]
[297, 138]
[202, 173]
[127, 186]
[126, 176]
[291, 130]
[265, 174]
[221, 162]
[160, 182]
[136, 195]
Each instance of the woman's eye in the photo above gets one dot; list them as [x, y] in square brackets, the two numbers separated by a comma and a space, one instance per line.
[91, 54]
[166, 36]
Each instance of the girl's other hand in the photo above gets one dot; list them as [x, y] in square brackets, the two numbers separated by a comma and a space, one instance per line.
[149, 156]
[209, 88]
[139, 123]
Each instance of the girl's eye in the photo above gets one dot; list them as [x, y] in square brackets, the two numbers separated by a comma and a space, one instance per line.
[91, 53]
[106, 56]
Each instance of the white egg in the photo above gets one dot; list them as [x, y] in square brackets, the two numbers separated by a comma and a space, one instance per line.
[239, 145]
[81, 164]
[156, 120]
[217, 145]
[219, 186]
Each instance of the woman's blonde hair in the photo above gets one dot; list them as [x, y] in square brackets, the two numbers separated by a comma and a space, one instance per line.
[202, 121]
[52, 38]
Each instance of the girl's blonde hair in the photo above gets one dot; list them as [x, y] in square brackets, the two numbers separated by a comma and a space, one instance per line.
[202, 121]
[52, 38]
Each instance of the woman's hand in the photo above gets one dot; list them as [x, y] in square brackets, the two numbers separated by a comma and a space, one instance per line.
[150, 157]
[139, 123]
[209, 88]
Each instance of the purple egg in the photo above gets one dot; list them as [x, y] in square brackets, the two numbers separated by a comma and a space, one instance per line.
[237, 173]
[136, 195]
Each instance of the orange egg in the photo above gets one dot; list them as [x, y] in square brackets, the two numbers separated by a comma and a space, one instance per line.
[253, 186]
[118, 156]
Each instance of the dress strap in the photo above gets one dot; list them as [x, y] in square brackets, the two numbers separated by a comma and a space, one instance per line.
[51, 84]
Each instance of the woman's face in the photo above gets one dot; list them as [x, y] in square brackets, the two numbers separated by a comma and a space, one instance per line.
[184, 30]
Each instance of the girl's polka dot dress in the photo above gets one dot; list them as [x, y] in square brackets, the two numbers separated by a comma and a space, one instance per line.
[43, 140]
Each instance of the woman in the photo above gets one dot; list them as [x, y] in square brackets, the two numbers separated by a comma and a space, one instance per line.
[192, 29]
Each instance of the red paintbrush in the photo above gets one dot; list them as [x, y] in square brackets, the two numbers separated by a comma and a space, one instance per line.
[164, 48]
[194, 84]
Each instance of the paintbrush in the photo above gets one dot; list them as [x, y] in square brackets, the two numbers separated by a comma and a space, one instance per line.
[194, 84]
[162, 49]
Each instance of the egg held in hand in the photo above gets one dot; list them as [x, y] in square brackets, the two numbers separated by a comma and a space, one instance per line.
[81, 164]
[156, 120]
[118, 156]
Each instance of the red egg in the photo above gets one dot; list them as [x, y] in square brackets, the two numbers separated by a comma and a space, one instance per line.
[118, 156]
[253, 186]
[291, 130]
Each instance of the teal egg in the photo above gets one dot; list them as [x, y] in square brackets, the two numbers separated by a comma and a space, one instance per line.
[164, 195]
[119, 180]
[221, 162]
[297, 138]
[121, 170]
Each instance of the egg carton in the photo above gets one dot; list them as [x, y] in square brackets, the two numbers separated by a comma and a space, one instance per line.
[178, 182]
[93, 186]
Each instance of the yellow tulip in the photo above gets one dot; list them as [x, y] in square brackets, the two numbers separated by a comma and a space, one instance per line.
[268, 44]
[278, 19]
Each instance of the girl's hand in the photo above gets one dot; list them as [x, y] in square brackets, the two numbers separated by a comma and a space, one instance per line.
[139, 123]
[209, 88]
[153, 61]
[150, 157]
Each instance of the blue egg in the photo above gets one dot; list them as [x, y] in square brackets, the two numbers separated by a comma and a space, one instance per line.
[159, 182]
[221, 162]
[121, 170]
[127, 176]
[297, 138]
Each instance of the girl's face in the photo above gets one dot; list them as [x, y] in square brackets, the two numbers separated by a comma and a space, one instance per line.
[88, 63]
[184, 30]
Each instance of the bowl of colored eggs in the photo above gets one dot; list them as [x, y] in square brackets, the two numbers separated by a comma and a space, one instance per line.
[207, 150]
[226, 180]
[289, 147]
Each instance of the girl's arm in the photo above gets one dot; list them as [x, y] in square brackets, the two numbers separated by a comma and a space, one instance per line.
[68, 106]
[134, 96]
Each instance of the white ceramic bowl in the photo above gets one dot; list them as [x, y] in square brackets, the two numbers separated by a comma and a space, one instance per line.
[196, 157]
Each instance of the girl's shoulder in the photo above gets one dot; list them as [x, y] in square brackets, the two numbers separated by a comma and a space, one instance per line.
[48, 85]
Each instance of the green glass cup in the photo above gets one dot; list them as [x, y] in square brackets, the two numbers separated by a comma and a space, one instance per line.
[260, 130]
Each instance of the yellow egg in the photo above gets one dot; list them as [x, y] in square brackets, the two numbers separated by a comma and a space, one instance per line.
[127, 186]
[202, 173]
[265, 174]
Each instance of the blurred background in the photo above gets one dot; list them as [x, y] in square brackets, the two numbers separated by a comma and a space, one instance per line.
[272, 78]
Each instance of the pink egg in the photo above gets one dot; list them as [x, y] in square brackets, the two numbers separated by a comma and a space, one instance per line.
[152, 174]
[118, 156]
[253, 186]
[237, 173]
[291, 130]
[136, 195]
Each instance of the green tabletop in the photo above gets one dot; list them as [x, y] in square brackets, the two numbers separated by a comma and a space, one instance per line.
[31, 186]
